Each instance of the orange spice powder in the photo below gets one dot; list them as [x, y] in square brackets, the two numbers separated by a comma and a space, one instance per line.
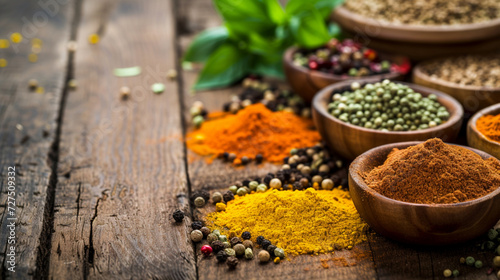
[252, 131]
[489, 126]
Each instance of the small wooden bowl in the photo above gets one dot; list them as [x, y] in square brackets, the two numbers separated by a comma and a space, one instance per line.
[306, 83]
[476, 139]
[458, 33]
[428, 224]
[472, 98]
[351, 141]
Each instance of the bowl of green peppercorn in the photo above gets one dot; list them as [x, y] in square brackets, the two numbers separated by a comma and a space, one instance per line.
[354, 117]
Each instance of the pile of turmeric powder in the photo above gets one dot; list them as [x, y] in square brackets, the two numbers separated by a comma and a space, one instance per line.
[489, 126]
[253, 131]
[300, 222]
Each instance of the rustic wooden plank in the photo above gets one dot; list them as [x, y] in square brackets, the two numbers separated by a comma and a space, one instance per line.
[28, 148]
[122, 170]
[197, 15]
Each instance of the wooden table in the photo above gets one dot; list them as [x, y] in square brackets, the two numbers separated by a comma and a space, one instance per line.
[97, 178]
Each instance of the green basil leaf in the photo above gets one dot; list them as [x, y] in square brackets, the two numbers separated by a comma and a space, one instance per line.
[205, 44]
[275, 11]
[269, 67]
[309, 30]
[225, 66]
[242, 15]
[264, 46]
[324, 7]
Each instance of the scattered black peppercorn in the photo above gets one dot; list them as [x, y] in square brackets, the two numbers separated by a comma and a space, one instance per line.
[259, 158]
[232, 262]
[221, 256]
[246, 182]
[265, 243]
[271, 249]
[228, 196]
[260, 238]
[245, 160]
[225, 155]
[178, 215]
[217, 246]
[196, 225]
[246, 235]
[235, 240]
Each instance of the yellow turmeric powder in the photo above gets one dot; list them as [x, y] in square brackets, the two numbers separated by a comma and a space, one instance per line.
[300, 222]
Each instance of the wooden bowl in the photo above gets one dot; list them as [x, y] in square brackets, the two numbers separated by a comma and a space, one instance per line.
[306, 83]
[420, 42]
[477, 140]
[351, 141]
[458, 33]
[429, 224]
[472, 98]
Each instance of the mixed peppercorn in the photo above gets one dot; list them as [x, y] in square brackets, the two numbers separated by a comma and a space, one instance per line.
[387, 106]
[347, 58]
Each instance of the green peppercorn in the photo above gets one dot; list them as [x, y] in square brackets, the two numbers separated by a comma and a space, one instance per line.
[498, 250]
[478, 264]
[216, 197]
[233, 189]
[223, 238]
[239, 249]
[280, 253]
[198, 121]
[248, 253]
[456, 273]
[226, 244]
[199, 202]
[447, 273]
[211, 238]
[470, 261]
[492, 234]
[241, 192]
[216, 232]
[253, 185]
[230, 252]
[261, 188]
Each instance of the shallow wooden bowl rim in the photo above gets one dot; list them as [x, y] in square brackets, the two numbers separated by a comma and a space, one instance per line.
[467, 27]
[305, 71]
[420, 74]
[360, 182]
[486, 111]
[454, 117]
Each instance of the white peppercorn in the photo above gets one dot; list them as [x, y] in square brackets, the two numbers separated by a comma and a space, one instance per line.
[196, 235]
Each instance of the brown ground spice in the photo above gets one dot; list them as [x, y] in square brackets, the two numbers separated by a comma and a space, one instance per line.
[434, 173]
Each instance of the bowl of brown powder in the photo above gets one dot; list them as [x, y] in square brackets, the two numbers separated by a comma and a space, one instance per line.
[474, 80]
[427, 192]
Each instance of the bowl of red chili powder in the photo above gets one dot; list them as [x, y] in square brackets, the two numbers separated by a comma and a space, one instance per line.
[429, 193]
[483, 130]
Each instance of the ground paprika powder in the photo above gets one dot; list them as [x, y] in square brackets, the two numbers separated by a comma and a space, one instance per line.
[434, 173]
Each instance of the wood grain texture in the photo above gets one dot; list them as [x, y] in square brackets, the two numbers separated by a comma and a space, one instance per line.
[122, 171]
[219, 175]
[28, 148]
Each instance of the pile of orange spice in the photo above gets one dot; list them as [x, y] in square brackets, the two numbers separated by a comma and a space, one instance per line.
[252, 131]
[489, 126]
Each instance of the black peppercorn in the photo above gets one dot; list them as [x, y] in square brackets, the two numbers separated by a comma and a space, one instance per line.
[246, 182]
[271, 249]
[228, 196]
[259, 158]
[221, 256]
[225, 155]
[232, 262]
[235, 240]
[217, 245]
[265, 243]
[285, 160]
[178, 215]
[260, 238]
[245, 160]
[268, 179]
[205, 231]
[246, 235]
[196, 225]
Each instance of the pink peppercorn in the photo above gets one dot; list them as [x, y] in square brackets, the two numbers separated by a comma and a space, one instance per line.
[206, 250]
